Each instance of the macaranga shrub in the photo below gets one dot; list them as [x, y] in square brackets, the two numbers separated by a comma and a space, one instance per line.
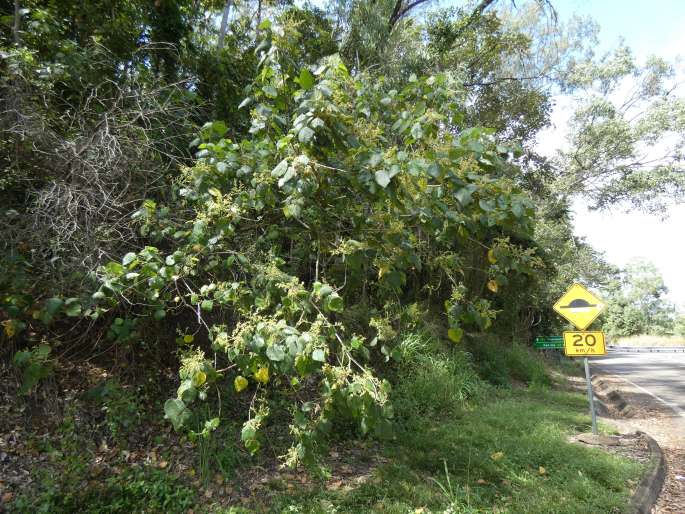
[346, 197]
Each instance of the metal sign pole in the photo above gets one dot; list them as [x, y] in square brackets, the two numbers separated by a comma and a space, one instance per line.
[590, 397]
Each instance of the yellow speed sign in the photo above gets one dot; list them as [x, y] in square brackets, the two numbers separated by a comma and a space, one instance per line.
[584, 344]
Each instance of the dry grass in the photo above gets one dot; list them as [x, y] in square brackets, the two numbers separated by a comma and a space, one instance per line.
[649, 340]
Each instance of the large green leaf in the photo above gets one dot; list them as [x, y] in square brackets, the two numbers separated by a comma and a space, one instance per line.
[306, 79]
[455, 334]
[52, 305]
[382, 178]
[129, 258]
[176, 412]
[319, 355]
[275, 353]
[247, 101]
[334, 303]
[305, 135]
[280, 169]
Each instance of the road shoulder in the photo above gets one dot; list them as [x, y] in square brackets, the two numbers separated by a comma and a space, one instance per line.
[632, 408]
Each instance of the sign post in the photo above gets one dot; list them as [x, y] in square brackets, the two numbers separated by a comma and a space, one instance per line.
[590, 396]
[581, 307]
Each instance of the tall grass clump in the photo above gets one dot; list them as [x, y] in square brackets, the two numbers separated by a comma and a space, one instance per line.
[526, 366]
[502, 365]
[433, 380]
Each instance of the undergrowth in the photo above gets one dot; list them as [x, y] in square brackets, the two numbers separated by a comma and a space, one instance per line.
[476, 429]
[506, 365]
[135, 490]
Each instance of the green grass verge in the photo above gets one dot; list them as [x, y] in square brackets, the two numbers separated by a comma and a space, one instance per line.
[453, 465]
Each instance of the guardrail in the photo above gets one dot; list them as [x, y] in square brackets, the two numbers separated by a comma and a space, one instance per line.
[645, 349]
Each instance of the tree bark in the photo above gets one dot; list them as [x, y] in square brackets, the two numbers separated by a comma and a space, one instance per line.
[224, 24]
[401, 10]
[259, 14]
[17, 22]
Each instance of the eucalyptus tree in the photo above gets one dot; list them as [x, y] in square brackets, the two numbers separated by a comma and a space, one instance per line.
[637, 302]
[626, 143]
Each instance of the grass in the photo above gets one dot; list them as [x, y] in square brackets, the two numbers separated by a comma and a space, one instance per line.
[508, 455]
[135, 490]
[650, 340]
[465, 446]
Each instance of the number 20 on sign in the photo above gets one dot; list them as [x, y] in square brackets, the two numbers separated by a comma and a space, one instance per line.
[584, 344]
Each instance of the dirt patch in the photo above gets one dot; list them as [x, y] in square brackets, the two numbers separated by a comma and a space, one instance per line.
[633, 445]
[348, 467]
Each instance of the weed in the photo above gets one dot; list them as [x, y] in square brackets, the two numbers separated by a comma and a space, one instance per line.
[454, 494]
[120, 405]
[148, 490]
[436, 386]
[525, 366]
[35, 364]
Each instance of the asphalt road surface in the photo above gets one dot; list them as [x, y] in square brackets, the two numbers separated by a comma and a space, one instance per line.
[661, 375]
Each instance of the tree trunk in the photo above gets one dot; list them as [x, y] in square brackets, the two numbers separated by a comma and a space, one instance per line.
[224, 24]
[17, 21]
[259, 14]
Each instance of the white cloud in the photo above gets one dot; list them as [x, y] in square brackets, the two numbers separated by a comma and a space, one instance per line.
[553, 138]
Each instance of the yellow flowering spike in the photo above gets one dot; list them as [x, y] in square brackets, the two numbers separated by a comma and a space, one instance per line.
[262, 375]
[9, 327]
[491, 256]
[497, 456]
[493, 286]
[240, 383]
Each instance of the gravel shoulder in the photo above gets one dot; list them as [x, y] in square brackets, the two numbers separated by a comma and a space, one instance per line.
[630, 409]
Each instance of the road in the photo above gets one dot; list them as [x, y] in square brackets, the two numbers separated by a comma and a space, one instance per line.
[662, 375]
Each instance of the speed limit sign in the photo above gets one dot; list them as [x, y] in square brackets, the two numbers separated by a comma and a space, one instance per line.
[584, 344]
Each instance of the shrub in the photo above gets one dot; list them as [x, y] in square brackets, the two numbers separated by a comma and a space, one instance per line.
[344, 192]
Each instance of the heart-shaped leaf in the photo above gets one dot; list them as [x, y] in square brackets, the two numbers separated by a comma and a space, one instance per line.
[455, 334]
[176, 412]
[382, 178]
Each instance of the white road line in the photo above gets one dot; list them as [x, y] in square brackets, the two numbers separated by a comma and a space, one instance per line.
[680, 412]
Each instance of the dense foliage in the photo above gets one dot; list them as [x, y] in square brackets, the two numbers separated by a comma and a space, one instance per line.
[271, 205]
[303, 241]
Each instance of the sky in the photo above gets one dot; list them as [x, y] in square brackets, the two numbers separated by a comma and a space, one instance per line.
[655, 27]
